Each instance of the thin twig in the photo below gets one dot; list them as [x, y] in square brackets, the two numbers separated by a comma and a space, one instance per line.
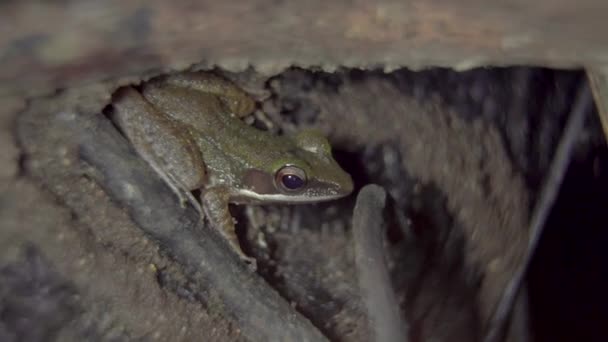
[542, 209]
[599, 88]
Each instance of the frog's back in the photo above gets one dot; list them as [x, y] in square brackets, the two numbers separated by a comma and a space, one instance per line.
[226, 142]
[245, 145]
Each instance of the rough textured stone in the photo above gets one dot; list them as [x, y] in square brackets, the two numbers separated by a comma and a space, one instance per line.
[45, 45]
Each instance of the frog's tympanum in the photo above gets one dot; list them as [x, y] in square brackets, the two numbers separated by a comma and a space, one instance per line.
[189, 128]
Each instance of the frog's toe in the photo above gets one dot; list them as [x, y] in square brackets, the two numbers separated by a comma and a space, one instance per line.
[252, 263]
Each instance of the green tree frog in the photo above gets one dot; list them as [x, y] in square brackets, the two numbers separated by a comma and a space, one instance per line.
[188, 127]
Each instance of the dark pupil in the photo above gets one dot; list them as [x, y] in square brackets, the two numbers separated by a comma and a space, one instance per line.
[292, 182]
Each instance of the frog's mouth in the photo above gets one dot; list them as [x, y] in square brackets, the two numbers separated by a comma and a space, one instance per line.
[261, 187]
[281, 198]
[310, 194]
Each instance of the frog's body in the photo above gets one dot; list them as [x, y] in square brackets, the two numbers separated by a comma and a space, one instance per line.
[188, 128]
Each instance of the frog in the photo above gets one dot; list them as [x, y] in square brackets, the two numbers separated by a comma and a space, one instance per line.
[190, 128]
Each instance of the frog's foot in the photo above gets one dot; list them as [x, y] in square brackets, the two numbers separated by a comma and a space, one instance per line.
[229, 233]
[234, 98]
[187, 197]
[215, 206]
[252, 263]
[184, 196]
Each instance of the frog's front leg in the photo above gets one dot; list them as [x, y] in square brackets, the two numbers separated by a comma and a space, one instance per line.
[215, 205]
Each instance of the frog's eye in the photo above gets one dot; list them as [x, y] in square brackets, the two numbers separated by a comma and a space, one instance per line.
[291, 178]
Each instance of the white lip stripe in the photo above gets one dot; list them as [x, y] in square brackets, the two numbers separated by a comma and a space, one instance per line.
[285, 198]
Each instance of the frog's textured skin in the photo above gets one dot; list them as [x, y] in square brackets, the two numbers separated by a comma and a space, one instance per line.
[189, 128]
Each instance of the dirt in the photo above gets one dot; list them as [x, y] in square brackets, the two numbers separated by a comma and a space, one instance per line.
[46, 45]
[460, 198]
[91, 244]
[431, 160]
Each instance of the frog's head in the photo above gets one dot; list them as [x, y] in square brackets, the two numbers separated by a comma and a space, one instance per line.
[306, 173]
